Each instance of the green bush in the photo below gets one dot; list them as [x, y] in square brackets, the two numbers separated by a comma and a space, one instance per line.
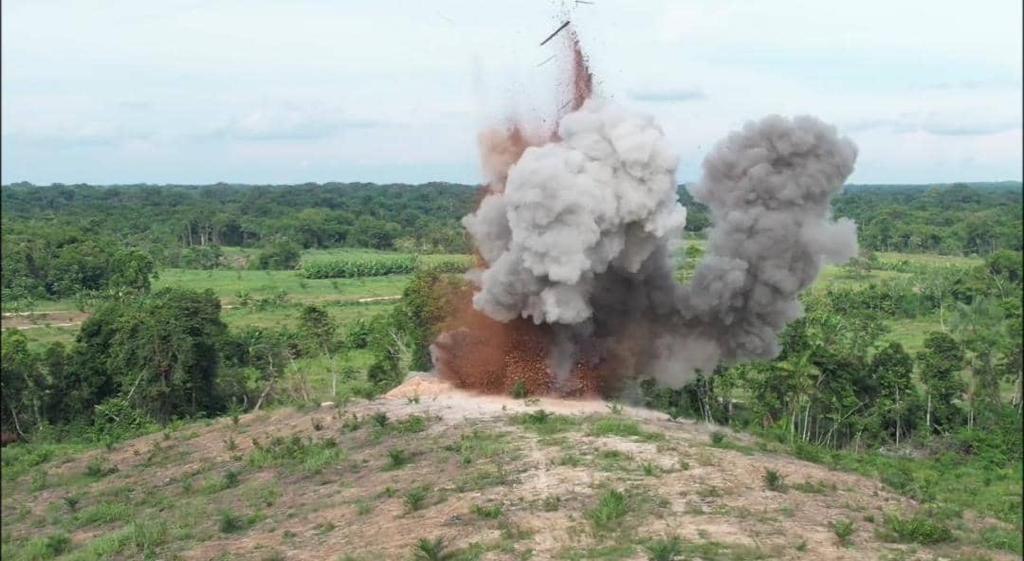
[843, 530]
[916, 529]
[280, 254]
[415, 499]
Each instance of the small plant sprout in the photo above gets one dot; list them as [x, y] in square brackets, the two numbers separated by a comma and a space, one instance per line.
[489, 512]
[398, 458]
[380, 419]
[666, 549]
[774, 481]
[415, 499]
[519, 390]
[431, 550]
[843, 530]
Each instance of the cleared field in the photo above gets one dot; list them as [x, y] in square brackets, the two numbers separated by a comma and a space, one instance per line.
[930, 259]
[496, 477]
[287, 315]
[230, 286]
[284, 292]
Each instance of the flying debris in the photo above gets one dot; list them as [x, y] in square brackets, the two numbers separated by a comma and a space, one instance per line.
[578, 2]
[560, 28]
[575, 290]
[545, 61]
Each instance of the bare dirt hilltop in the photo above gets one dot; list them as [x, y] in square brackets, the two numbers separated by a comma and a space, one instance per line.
[492, 477]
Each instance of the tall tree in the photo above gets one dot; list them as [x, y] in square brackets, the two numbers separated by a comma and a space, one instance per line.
[939, 367]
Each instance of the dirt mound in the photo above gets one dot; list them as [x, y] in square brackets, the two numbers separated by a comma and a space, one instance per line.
[419, 385]
[494, 477]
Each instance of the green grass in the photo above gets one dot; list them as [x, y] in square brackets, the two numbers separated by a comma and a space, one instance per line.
[947, 480]
[100, 514]
[296, 454]
[490, 512]
[611, 507]
[832, 276]
[613, 460]
[41, 337]
[227, 284]
[929, 259]
[481, 445]
[911, 333]
[545, 423]
[287, 315]
[665, 549]
[621, 426]
[38, 549]
[915, 529]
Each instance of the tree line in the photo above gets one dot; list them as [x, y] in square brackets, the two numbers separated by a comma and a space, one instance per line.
[60, 238]
[154, 357]
[842, 381]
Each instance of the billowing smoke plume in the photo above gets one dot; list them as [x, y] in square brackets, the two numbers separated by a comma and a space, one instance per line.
[580, 240]
[603, 197]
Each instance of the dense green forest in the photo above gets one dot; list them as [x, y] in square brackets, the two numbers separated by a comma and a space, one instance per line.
[61, 239]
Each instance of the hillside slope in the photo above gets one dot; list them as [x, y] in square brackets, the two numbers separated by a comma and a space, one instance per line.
[496, 478]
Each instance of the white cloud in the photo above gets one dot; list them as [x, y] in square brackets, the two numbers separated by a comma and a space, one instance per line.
[246, 90]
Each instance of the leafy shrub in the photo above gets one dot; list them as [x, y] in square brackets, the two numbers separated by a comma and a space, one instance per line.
[380, 419]
[432, 550]
[231, 522]
[49, 547]
[916, 529]
[398, 458]
[410, 425]
[97, 467]
[843, 530]
[416, 498]
[491, 512]
[774, 481]
[279, 254]
[116, 419]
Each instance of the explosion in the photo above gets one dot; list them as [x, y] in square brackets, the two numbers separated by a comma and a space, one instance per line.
[575, 294]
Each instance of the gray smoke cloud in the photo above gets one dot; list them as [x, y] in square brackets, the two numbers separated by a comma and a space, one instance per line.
[582, 236]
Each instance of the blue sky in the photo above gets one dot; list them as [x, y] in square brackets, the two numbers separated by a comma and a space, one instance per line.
[190, 91]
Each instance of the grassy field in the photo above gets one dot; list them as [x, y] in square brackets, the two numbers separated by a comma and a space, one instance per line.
[341, 297]
[230, 286]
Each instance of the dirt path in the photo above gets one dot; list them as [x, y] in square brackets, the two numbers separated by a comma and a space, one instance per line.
[34, 320]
